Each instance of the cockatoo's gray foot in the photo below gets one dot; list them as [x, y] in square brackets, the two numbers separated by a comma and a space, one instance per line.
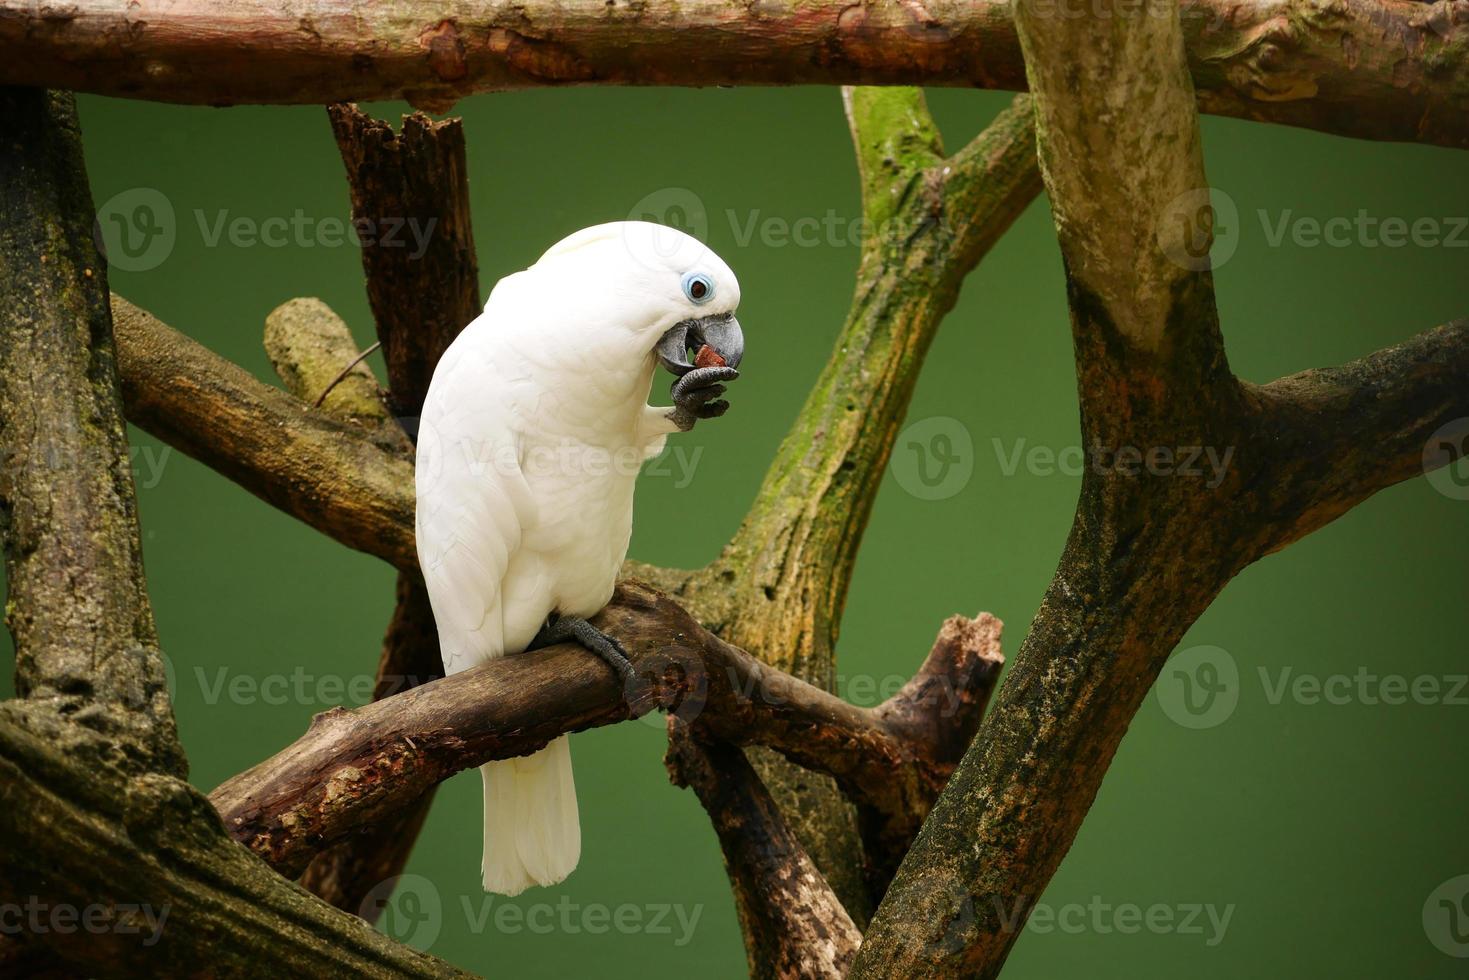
[696, 395]
[563, 629]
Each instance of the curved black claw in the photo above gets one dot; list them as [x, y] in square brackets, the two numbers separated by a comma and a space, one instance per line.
[695, 395]
[563, 628]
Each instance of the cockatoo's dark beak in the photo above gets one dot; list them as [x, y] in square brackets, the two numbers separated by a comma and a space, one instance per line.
[679, 348]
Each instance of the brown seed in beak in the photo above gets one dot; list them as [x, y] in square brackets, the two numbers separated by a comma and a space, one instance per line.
[708, 357]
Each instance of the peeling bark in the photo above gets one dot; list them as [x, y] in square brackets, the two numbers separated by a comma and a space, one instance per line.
[423, 282]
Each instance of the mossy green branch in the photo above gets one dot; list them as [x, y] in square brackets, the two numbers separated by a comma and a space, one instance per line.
[780, 586]
[310, 346]
[929, 219]
[895, 140]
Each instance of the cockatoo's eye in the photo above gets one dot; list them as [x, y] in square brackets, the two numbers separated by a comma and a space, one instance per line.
[698, 287]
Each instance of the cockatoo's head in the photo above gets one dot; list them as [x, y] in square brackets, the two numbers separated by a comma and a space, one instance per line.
[674, 297]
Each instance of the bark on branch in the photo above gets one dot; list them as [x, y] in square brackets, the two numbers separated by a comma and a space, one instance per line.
[1346, 432]
[308, 344]
[1150, 547]
[309, 347]
[94, 813]
[780, 586]
[928, 219]
[186, 900]
[78, 611]
[421, 297]
[800, 929]
[344, 480]
[352, 768]
[420, 301]
[1380, 69]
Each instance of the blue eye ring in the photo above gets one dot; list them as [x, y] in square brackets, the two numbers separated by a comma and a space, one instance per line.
[698, 287]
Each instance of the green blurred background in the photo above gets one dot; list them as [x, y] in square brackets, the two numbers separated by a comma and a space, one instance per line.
[1321, 830]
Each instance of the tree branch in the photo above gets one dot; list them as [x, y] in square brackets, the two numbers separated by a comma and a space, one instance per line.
[149, 852]
[94, 814]
[353, 767]
[1117, 136]
[423, 281]
[928, 220]
[86, 647]
[1155, 538]
[1343, 433]
[420, 298]
[341, 479]
[309, 346]
[1380, 69]
[1119, 144]
[780, 586]
[801, 929]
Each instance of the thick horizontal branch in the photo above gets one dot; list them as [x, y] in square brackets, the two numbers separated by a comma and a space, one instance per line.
[352, 768]
[328, 473]
[786, 908]
[1379, 69]
[1343, 433]
[334, 477]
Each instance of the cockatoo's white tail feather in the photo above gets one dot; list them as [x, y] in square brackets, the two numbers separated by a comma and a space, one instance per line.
[532, 830]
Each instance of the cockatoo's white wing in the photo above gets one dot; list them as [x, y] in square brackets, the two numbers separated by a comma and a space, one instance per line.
[473, 503]
[490, 592]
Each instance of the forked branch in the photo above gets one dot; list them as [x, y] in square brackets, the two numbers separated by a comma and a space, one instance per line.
[344, 480]
[787, 910]
[1150, 547]
[1343, 433]
[353, 767]
[780, 586]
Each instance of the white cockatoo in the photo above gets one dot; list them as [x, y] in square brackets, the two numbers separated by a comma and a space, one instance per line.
[532, 434]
